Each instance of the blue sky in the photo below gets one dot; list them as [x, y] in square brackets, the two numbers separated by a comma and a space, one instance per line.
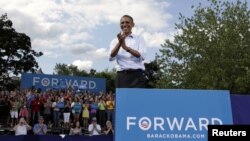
[79, 31]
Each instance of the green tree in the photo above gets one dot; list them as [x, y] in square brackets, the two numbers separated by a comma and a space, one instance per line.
[16, 53]
[211, 52]
[151, 73]
[64, 69]
[92, 72]
[110, 78]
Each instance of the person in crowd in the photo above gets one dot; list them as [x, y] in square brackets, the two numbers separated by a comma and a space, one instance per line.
[13, 110]
[40, 128]
[85, 114]
[94, 128]
[61, 106]
[24, 112]
[30, 96]
[66, 114]
[109, 130]
[76, 129]
[22, 127]
[36, 107]
[77, 108]
[129, 52]
[110, 104]
[94, 107]
[56, 111]
[102, 112]
[47, 111]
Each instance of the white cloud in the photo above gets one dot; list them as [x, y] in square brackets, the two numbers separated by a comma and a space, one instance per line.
[82, 48]
[154, 38]
[68, 38]
[98, 54]
[50, 54]
[90, 53]
[83, 64]
[65, 27]
[42, 45]
[89, 14]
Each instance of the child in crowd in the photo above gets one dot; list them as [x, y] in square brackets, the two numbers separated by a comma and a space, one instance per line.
[24, 112]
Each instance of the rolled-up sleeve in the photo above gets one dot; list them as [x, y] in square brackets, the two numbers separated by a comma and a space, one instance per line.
[111, 46]
[142, 49]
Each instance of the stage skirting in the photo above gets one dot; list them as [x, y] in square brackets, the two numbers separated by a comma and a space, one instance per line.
[55, 138]
[240, 109]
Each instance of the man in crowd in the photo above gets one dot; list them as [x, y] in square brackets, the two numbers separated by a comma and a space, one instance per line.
[40, 128]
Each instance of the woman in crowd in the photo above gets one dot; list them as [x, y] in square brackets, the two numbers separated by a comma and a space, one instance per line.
[109, 128]
[66, 114]
[85, 114]
[77, 108]
[76, 130]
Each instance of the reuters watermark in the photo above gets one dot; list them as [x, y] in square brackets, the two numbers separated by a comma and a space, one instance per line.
[223, 132]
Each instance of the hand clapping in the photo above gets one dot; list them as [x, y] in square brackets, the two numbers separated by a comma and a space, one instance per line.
[121, 37]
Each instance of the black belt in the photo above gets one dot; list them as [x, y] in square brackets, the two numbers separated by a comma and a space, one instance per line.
[130, 71]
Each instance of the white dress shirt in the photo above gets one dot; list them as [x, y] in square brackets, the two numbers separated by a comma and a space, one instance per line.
[21, 130]
[95, 132]
[126, 60]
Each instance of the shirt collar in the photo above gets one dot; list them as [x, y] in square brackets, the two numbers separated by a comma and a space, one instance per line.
[131, 35]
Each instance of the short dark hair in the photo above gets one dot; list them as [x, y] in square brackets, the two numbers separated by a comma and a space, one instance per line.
[40, 117]
[128, 16]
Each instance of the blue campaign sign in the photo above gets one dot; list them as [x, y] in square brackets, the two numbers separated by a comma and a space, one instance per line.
[44, 82]
[160, 114]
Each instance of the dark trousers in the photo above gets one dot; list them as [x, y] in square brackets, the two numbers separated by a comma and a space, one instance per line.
[102, 117]
[130, 79]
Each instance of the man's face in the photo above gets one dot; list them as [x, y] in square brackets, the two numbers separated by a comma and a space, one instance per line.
[21, 121]
[41, 120]
[126, 25]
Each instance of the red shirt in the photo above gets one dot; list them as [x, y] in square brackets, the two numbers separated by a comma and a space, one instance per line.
[35, 105]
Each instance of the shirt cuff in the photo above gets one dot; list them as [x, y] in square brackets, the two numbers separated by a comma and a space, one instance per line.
[111, 58]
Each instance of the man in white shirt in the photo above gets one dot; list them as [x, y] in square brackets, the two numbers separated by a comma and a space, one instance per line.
[94, 128]
[22, 127]
[129, 52]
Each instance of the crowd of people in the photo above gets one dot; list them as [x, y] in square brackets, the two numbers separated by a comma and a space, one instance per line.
[64, 109]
